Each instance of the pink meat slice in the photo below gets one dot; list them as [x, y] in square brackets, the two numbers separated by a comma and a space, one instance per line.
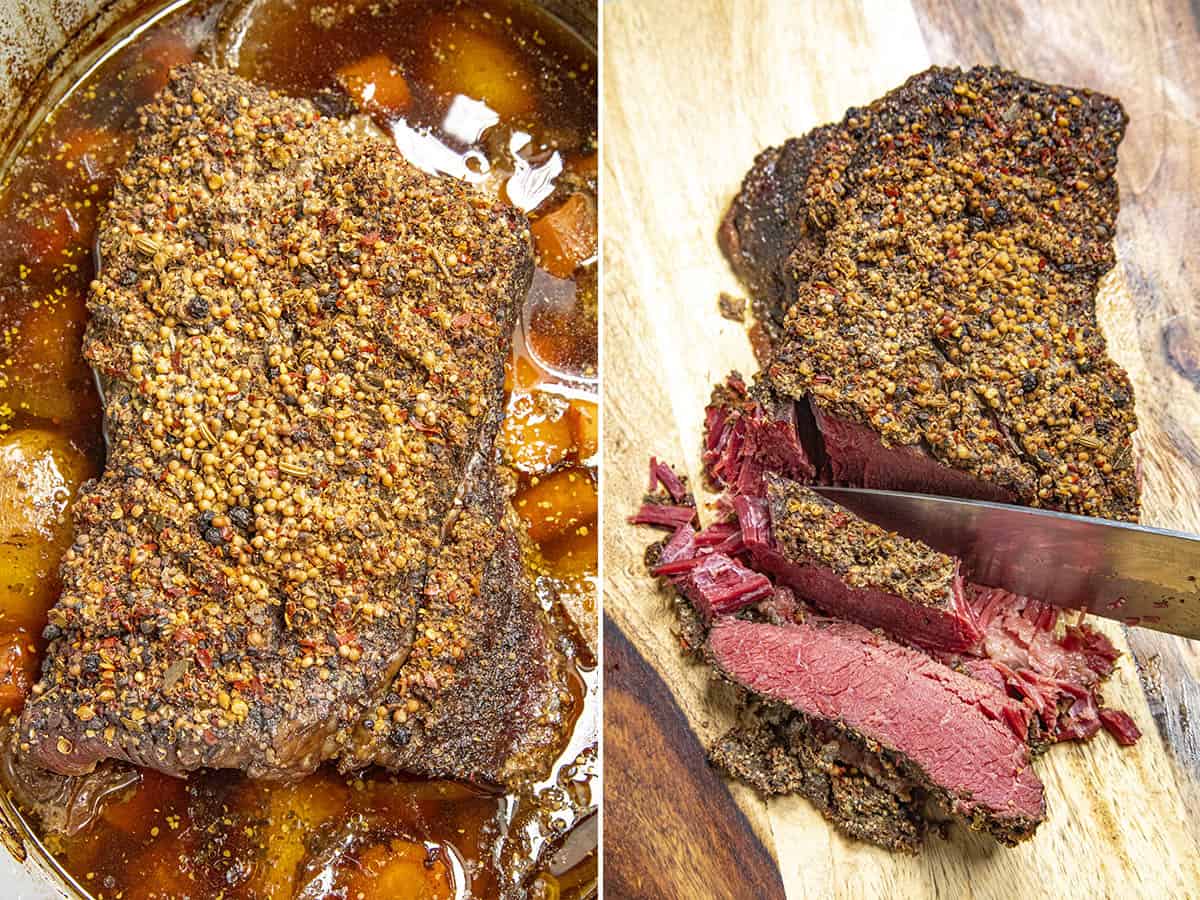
[859, 458]
[849, 568]
[965, 738]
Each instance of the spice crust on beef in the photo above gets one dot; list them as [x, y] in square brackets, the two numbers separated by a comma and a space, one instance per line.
[941, 250]
[301, 339]
[806, 526]
[482, 696]
[778, 751]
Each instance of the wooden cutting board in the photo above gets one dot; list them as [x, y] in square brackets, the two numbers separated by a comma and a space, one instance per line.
[693, 90]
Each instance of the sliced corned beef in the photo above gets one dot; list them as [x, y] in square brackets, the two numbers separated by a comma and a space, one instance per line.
[718, 585]
[748, 433]
[946, 735]
[852, 569]
[889, 314]
[1055, 666]
[665, 515]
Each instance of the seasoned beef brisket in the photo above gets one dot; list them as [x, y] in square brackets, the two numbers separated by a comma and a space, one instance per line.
[931, 264]
[918, 728]
[302, 339]
[925, 273]
[482, 696]
[852, 569]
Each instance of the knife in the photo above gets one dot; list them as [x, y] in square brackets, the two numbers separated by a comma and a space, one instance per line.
[1132, 573]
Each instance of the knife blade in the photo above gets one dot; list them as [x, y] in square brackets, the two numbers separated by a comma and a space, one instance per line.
[1132, 573]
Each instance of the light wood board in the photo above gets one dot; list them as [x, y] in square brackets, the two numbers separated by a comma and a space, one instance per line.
[693, 90]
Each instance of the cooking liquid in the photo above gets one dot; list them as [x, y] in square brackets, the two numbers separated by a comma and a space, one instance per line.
[494, 92]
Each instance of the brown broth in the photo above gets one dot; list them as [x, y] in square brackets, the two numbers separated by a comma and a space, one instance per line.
[375, 835]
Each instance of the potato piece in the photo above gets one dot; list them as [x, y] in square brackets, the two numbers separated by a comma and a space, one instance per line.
[572, 555]
[556, 504]
[536, 435]
[565, 237]
[469, 60]
[398, 871]
[45, 374]
[16, 671]
[585, 428]
[376, 85]
[577, 595]
[294, 811]
[40, 473]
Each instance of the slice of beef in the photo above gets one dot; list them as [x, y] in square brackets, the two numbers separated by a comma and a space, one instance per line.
[482, 696]
[852, 569]
[302, 339]
[942, 296]
[1056, 666]
[859, 457]
[917, 725]
[718, 585]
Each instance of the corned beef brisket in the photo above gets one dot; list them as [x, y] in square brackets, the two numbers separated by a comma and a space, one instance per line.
[925, 275]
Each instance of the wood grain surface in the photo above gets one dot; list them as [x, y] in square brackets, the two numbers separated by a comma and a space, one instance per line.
[693, 90]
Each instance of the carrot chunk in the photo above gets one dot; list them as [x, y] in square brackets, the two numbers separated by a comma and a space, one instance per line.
[557, 504]
[376, 84]
[566, 237]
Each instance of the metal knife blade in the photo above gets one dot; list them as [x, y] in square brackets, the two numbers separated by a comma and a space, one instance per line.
[1132, 573]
